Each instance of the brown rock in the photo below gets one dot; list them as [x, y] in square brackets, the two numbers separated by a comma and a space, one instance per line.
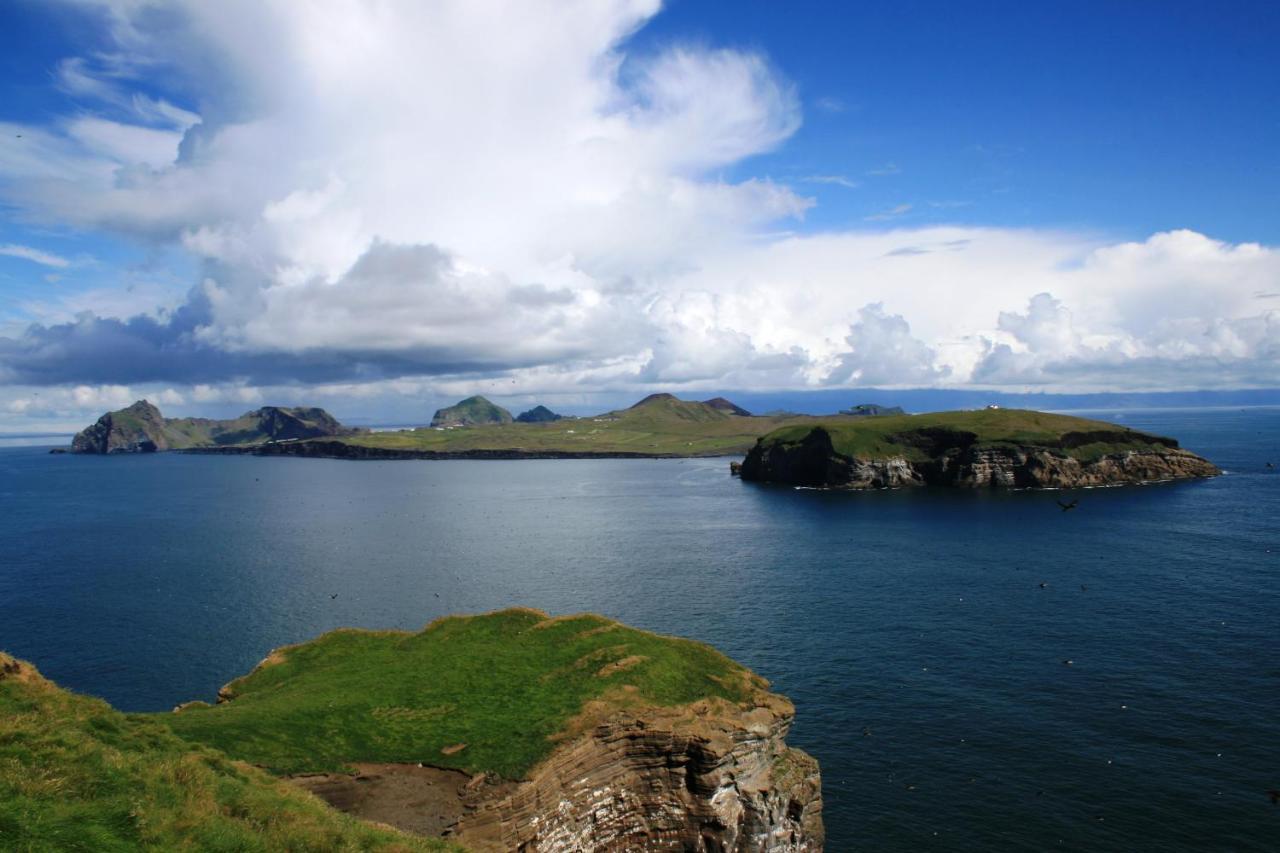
[708, 777]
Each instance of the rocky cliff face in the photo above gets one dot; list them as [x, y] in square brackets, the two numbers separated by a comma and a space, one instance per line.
[709, 777]
[953, 461]
[137, 429]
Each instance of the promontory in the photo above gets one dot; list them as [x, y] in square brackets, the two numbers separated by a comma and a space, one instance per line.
[506, 731]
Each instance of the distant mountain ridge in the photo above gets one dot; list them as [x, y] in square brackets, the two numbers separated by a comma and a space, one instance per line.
[538, 415]
[141, 428]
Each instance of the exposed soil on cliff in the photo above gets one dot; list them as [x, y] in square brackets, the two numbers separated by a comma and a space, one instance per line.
[423, 800]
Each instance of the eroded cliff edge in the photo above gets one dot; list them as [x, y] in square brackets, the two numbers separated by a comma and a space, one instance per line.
[561, 734]
[706, 777]
[971, 450]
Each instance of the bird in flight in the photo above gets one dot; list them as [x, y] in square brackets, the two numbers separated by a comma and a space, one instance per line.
[333, 596]
[1066, 507]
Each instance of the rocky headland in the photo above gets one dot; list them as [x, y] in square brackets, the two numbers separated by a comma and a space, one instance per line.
[141, 428]
[1002, 448]
[518, 731]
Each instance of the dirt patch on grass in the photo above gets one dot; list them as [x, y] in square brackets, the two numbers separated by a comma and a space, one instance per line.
[619, 665]
[422, 800]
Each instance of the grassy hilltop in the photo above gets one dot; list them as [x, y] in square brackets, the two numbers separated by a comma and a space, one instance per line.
[478, 693]
[659, 425]
[914, 437]
[76, 774]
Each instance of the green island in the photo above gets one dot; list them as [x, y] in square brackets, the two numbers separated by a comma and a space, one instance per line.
[865, 446]
[988, 447]
[482, 733]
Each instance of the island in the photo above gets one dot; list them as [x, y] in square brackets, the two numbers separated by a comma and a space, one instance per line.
[660, 425]
[511, 730]
[473, 411]
[141, 428]
[864, 447]
[992, 447]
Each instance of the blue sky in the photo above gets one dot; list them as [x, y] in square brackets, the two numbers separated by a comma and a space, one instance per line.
[1129, 117]
[381, 208]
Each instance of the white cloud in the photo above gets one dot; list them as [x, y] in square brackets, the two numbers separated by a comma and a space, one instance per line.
[467, 191]
[882, 351]
[892, 213]
[93, 398]
[36, 256]
[837, 180]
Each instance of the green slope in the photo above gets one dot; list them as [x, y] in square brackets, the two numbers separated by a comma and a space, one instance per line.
[913, 436]
[77, 775]
[504, 684]
[657, 425]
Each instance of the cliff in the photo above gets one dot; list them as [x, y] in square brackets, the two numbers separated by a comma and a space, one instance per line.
[141, 428]
[574, 733]
[710, 776]
[998, 448]
[138, 429]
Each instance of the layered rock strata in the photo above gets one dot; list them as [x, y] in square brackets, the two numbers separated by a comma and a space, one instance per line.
[706, 777]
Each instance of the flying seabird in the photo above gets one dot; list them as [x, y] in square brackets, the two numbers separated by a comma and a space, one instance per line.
[1070, 506]
[333, 596]
[1044, 584]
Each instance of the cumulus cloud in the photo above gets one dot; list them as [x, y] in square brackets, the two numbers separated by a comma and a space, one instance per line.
[883, 352]
[470, 192]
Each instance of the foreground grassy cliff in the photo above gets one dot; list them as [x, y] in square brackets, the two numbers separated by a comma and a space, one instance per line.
[479, 693]
[505, 731]
[992, 447]
[577, 733]
[77, 775]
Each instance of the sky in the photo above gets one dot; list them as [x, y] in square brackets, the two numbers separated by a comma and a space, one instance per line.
[380, 207]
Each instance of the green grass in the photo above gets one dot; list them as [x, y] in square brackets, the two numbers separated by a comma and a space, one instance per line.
[505, 684]
[77, 775]
[663, 426]
[885, 437]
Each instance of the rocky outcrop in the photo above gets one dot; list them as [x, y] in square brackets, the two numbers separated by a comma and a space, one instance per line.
[141, 428]
[138, 429]
[538, 415]
[473, 411]
[707, 777]
[943, 457]
[727, 406]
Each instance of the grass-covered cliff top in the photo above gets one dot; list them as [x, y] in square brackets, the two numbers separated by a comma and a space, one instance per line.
[479, 693]
[77, 775]
[918, 437]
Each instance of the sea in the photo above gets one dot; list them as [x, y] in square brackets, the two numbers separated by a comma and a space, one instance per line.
[973, 670]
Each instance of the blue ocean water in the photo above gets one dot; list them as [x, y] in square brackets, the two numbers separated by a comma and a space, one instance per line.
[910, 628]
